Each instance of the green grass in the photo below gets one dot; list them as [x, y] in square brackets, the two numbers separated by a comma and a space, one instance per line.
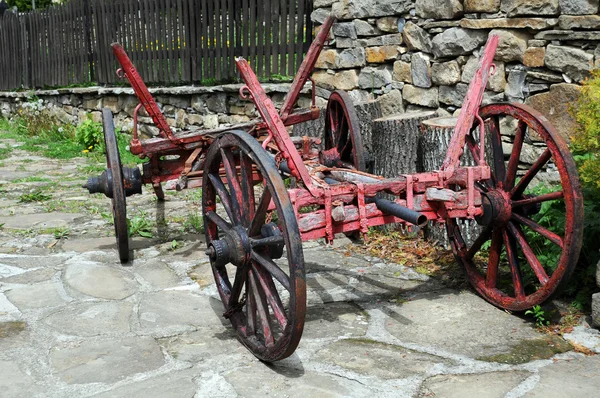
[32, 179]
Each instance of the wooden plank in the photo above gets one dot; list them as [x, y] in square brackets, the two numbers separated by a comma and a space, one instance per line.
[282, 45]
[231, 39]
[253, 32]
[6, 41]
[291, 37]
[245, 28]
[147, 42]
[159, 40]
[183, 41]
[168, 37]
[210, 59]
[4, 49]
[260, 20]
[275, 37]
[192, 37]
[299, 35]
[222, 34]
[24, 54]
[268, 16]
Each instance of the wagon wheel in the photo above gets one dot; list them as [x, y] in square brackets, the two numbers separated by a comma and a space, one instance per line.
[512, 274]
[113, 161]
[254, 246]
[343, 142]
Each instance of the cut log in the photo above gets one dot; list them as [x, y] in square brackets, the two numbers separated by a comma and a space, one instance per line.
[366, 113]
[311, 128]
[396, 143]
[436, 134]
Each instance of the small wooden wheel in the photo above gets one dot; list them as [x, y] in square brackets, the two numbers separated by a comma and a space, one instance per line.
[250, 224]
[509, 263]
[343, 143]
[113, 162]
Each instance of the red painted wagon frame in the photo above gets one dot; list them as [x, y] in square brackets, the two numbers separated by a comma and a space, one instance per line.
[265, 303]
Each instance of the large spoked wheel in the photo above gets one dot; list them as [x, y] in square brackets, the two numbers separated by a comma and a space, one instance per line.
[518, 261]
[254, 246]
[113, 161]
[343, 143]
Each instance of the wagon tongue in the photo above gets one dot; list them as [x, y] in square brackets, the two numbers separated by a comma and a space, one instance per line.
[132, 182]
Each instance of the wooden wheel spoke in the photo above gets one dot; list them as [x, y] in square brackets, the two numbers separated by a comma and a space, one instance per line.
[261, 213]
[269, 240]
[498, 153]
[223, 194]
[250, 310]
[223, 282]
[513, 163]
[273, 269]
[546, 233]
[491, 277]
[481, 239]
[538, 199]
[513, 260]
[241, 275]
[271, 293]
[518, 190]
[261, 309]
[246, 177]
[529, 254]
[332, 126]
[218, 220]
[235, 191]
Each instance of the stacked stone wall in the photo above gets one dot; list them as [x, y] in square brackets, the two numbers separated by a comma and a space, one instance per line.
[185, 108]
[423, 53]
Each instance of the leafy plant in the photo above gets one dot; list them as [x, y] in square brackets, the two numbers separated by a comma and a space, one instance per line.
[61, 233]
[26, 5]
[140, 225]
[90, 135]
[35, 196]
[194, 223]
[175, 245]
[539, 315]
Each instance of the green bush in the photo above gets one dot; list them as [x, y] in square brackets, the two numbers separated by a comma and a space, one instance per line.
[25, 5]
[585, 144]
[90, 135]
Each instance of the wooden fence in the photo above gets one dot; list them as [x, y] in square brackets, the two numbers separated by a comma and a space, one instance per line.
[169, 41]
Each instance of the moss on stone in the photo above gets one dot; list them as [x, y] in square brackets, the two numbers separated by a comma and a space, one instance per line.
[531, 350]
[8, 329]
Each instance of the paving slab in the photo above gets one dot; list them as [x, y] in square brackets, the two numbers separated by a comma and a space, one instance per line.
[36, 296]
[75, 322]
[372, 358]
[14, 382]
[170, 385]
[489, 385]
[93, 318]
[40, 220]
[175, 311]
[104, 361]
[84, 276]
[470, 326]
[574, 377]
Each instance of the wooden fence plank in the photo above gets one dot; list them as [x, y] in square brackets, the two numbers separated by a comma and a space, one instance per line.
[169, 41]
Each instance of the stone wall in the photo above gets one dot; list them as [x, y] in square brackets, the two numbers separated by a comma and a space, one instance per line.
[186, 108]
[425, 52]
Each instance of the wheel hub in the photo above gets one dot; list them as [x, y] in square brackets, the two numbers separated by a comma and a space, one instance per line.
[497, 208]
[132, 182]
[234, 248]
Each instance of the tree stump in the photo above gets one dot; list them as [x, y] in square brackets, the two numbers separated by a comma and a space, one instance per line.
[312, 128]
[436, 135]
[366, 113]
[395, 143]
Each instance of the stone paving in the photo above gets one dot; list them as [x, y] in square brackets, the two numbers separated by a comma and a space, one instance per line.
[74, 322]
